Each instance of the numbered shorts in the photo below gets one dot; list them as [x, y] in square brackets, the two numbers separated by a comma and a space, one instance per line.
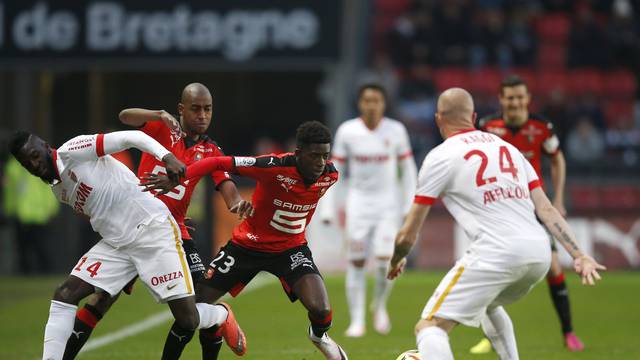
[367, 236]
[156, 256]
[471, 287]
[234, 267]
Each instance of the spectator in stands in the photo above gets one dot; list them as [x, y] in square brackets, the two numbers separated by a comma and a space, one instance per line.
[589, 106]
[520, 37]
[623, 34]
[556, 108]
[585, 144]
[453, 31]
[489, 36]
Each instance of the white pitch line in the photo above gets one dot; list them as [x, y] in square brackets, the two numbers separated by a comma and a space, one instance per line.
[157, 319]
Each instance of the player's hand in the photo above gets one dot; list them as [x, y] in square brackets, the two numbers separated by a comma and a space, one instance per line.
[587, 268]
[172, 123]
[396, 269]
[175, 168]
[243, 208]
[161, 184]
[560, 207]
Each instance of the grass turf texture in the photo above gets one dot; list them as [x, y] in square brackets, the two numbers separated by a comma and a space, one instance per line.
[605, 317]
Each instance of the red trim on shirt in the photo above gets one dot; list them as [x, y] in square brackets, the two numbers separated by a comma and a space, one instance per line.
[424, 200]
[463, 131]
[55, 162]
[100, 145]
[534, 184]
[405, 155]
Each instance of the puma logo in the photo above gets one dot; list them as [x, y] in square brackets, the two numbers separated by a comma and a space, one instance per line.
[77, 333]
[169, 287]
[178, 336]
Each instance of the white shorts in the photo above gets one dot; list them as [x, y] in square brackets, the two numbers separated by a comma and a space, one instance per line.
[471, 287]
[156, 256]
[366, 235]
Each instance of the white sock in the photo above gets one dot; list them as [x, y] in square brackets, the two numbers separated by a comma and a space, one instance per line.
[58, 329]
[211, 315]
[433, 344]
[499, 329]
[383, 286]
[356, 293]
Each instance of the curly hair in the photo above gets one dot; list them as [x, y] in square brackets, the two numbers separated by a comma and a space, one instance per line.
[312, 132]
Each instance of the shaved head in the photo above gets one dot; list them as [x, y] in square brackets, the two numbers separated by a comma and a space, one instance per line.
[455, 110]
[193, 91]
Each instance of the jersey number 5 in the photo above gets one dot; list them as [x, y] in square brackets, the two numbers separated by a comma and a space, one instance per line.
[177, 192]
[289, 226]
[506, 165]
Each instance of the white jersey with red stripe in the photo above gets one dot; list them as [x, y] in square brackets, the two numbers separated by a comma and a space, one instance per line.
[485, 184]
[95, 184]
[371, 160]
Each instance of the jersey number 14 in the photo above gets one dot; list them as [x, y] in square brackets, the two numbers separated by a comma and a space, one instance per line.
[506, 165]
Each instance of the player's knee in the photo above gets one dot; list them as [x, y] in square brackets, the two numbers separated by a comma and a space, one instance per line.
[320, 311]
[188, 320]
[102, 301]
[66, 293]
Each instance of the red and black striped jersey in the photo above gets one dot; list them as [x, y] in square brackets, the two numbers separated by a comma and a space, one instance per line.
[283, 202]
[534, 138]
[187, 151]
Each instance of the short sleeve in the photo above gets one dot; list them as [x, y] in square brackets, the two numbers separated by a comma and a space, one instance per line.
[159, 131]
[533, 180]
[339, 151]
[404, 146]
[551, 143]
[433, 178]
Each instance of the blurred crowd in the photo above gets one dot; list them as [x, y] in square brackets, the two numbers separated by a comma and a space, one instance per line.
[581, 60]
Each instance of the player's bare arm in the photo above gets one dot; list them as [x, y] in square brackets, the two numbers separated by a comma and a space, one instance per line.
[137, 117]
[583, 264]
[235, 203]
[406, 238]
[558, 176]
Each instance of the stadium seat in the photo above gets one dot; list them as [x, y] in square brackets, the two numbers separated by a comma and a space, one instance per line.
[586, 81]
[619, 197]
[447, 77]
[551, 80]
[392, 7]
[552, 57]
[553, 28]
[620, 84]
[619, 113]
[485, 81]
[584, 197]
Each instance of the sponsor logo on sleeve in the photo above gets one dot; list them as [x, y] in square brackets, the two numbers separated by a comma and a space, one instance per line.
[245, 161]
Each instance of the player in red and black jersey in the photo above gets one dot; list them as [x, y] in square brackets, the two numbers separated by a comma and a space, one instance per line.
[273, 239]
[187, 140]
[533, 135]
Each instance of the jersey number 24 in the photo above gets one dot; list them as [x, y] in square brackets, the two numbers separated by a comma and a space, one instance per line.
[506, 165]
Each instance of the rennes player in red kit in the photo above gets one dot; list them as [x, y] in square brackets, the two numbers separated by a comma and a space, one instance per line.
[187, 140]
[287, 192]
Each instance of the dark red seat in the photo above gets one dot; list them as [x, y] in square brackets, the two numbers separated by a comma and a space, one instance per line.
[447, 77]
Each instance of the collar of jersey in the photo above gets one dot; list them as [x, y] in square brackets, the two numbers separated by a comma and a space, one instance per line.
[463, 131]
[188, 142]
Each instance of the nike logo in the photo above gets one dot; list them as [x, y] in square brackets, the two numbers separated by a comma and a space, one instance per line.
[169, 287]
[178, 336]
[77, 333]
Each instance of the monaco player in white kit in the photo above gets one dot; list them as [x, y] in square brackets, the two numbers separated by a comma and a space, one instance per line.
[139, 235]
[494, 194]
[381, 178]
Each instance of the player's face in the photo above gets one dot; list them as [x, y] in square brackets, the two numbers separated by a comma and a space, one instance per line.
[311, 160]
[371, 104]
[196, 114]
[35, 156]
[515, 102]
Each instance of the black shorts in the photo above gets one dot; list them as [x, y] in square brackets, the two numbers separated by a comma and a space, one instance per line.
[196, 267]
[234, 267]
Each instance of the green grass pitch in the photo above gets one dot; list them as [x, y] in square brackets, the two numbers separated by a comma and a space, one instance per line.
[605, 316]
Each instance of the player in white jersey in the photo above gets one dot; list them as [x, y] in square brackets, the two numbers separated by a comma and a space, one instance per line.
[139, 235]
[381, 178]
[494, 194]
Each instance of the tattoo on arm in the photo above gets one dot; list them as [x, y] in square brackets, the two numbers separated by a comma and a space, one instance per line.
[565, 237]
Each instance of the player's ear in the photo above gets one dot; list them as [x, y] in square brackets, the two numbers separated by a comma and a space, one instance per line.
[474, 118]
[180, 109]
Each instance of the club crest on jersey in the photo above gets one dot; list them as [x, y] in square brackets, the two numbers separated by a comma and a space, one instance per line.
[531, 132]
[286, 182]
